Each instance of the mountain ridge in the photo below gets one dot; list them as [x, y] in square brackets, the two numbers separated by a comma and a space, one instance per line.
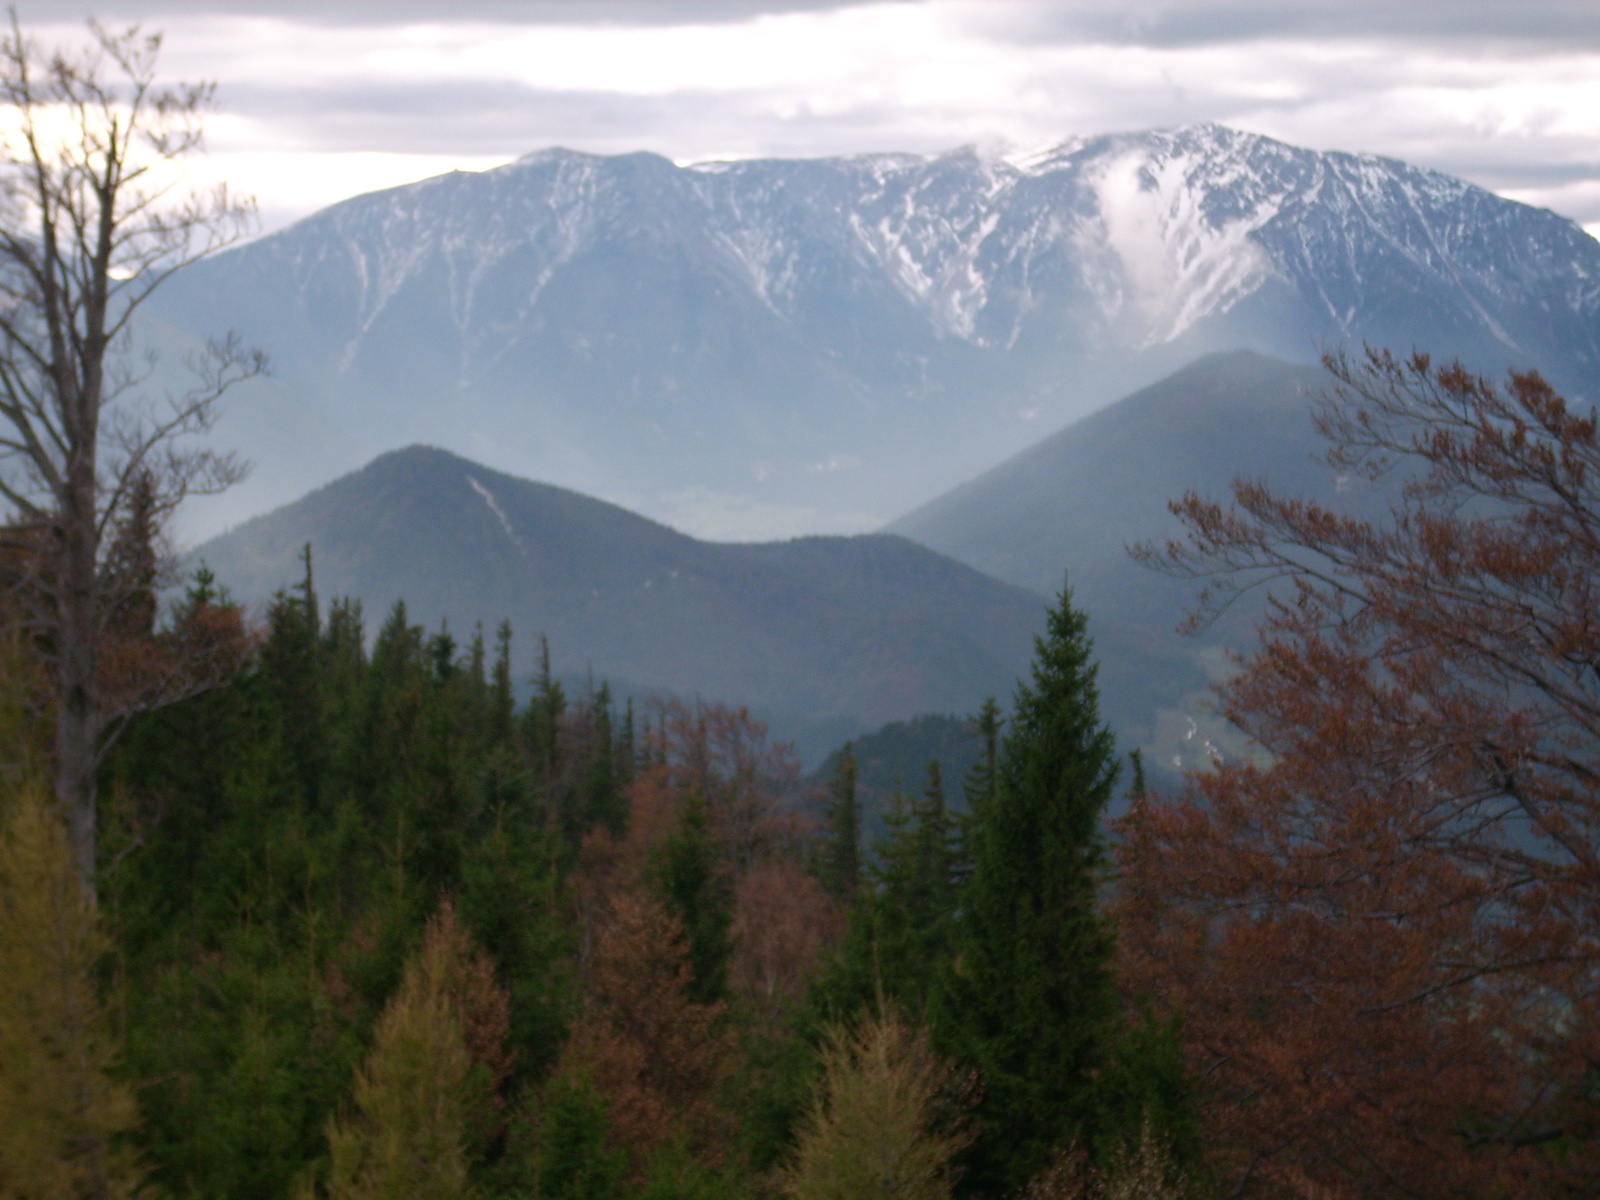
[760, 347]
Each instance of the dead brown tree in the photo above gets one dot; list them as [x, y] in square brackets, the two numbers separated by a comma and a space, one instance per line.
[95, 213]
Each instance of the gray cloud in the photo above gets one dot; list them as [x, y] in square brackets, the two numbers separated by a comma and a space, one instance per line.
[1532, 24]
[507, 118]
[396, 12]
[1459, 87]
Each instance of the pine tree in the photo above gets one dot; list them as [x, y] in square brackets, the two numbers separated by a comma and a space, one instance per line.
[842, 867]
[1031, 1003]
[60, 1111]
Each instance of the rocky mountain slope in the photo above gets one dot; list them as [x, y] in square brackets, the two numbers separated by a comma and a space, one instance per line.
[823, 635]
[753, 348]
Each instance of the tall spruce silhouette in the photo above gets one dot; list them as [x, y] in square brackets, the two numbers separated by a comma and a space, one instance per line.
[842, 865]
[1030, 1000]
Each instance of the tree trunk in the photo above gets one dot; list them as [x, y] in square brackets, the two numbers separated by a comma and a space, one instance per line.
[78, 716]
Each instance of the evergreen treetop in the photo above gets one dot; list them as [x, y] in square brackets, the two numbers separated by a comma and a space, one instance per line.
[1030, 1001]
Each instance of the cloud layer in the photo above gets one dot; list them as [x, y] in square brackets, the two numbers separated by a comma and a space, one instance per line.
[323, 100]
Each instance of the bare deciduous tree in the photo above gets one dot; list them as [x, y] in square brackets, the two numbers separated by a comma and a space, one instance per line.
[95, 214]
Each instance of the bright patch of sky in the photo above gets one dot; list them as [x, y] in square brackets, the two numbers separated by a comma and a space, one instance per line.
[322, 101]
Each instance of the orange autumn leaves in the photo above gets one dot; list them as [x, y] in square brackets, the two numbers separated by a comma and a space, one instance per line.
[1382, 934]
[658, 1058]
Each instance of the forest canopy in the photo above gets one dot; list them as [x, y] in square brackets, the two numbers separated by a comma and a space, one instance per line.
[360, 898]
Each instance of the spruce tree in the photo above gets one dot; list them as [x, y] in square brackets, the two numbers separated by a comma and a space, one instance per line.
[841, 870]
[572, 1157]
[627, 761]
[1031, 1002]
[292, 674]
[912, 904]
[934, 856]
[979, 785]
[896, 945]
[502, 703]
[693, 884]
[603, 801]
[543, 717]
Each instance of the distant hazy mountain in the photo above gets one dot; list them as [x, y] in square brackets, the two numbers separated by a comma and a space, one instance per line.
[749, 348]
[1069, 507]
[1074, 501]
[826, 635]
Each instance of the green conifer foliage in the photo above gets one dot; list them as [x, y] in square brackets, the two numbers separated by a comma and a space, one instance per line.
[60, 1111]
[541, 723]
[572, 1155]
[627, 749]
[504, 701]
[604, 805]
[264, 920]
[916, 900]
[897, 941]
[692, 882]
[841, 870]
[1031, 1002]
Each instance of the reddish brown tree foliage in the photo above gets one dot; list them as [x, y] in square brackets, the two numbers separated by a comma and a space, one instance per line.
[721, 755]
[1383, 934]
[782, 921]
[656, 1058]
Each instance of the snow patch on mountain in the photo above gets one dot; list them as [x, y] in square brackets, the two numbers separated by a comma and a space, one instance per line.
[499, 513]
[1177, 265]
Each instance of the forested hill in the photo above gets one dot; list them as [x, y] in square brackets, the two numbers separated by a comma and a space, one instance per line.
[822, 634]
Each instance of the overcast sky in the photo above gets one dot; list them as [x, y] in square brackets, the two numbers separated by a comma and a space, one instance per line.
[323, 100]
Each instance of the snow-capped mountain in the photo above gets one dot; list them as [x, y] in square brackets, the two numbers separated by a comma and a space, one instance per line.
[763, 347]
